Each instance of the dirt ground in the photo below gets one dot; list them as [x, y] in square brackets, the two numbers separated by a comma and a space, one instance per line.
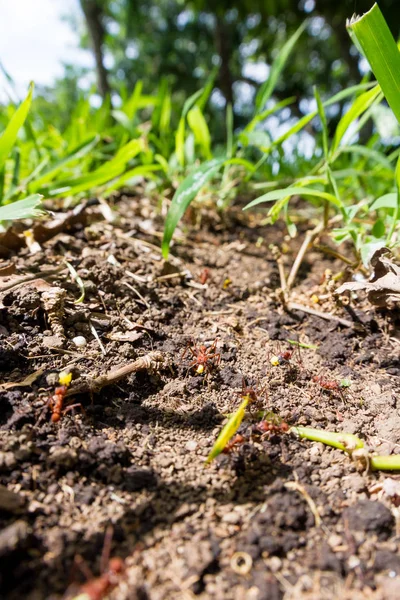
[132, 455]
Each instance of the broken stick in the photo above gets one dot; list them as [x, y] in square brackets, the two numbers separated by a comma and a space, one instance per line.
[150, 362]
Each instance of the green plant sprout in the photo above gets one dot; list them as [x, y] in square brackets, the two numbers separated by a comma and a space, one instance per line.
[229, 430]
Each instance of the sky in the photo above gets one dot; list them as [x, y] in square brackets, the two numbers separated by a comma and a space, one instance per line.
[34, 41]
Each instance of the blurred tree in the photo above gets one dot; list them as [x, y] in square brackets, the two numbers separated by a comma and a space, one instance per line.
[183, 41]
[94, 16]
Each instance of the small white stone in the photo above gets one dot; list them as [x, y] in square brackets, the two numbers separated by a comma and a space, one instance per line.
[79, 341]
[191, 445]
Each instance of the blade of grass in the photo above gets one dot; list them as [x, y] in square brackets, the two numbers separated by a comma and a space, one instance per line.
[23, 209]
[184, 195]
[8, 138]
[267, 88]
[372, 36]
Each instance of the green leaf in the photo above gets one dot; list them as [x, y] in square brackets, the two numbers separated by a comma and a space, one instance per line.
[293, 191]
[342, 95]
[228, 431]
[55, 168]
[374, 39]
[9, 136]
[378, 230]
[374, 155]
[198, 125]
[322, 116]
[184, 195]
[23, 209]
[267, 88]
[385, 201]
[368, 250]
[360, 105]
[180, 132]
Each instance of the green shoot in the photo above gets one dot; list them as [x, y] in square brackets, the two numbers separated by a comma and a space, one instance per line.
[228, 430]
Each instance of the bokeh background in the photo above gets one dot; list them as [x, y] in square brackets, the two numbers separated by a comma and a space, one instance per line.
[101, 47]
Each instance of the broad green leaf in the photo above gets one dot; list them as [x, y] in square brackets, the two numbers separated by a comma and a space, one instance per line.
[372, 36]
[9, 136]
[22, 209]
[379, 229]
[385, 201]
[228, 431]
[184, 195]
[267, 88]
[198, 125]
[293, 191]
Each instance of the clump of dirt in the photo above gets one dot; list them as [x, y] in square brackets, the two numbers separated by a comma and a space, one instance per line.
[131, 452]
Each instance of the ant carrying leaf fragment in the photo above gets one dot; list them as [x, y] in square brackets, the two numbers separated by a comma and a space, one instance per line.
[204, 359]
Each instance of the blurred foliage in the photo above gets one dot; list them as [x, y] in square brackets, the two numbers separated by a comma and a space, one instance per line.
[185, 41]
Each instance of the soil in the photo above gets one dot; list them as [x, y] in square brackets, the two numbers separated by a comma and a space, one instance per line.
[132, 454]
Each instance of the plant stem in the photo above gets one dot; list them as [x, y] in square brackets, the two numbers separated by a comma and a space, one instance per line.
[326, 213]
[342, 441]
[385, 463]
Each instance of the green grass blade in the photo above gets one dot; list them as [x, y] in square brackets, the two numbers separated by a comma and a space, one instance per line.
[180, 132]
[186, 192]
[359, 106]
[267, 88]
[228, 431]
[342, 95]
[324, 124]
[8, 138]
[373, 38]
[198, 125]
[293, 191]
[54, 169]
[23, 209]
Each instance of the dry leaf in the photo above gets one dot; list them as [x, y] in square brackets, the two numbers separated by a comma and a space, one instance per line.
[383, 286]
[125, 336]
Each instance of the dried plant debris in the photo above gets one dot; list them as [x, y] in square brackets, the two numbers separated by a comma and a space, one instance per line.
[383, 287]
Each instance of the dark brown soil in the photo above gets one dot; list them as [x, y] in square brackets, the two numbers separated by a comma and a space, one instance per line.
[134, 456]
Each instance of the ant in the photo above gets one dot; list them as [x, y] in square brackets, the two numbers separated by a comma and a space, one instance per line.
[253, 394]
[272, 428]
[236, 441]
[331, 385]
[96, 588]
[56, 402]
[204, 276]
[204, 358]
[283, 357]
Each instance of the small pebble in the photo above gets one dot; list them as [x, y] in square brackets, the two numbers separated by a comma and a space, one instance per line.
[79, 341]
[191, 445]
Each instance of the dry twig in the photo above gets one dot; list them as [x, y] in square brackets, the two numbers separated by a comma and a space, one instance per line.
[151, 362]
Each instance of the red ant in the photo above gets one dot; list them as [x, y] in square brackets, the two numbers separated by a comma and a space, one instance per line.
[204, 358]
[56, 402]
[272, 428]
[96, 588]
[283, 357]
[204, 276]
[329, 384]
[235, 441]
[253, 394]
